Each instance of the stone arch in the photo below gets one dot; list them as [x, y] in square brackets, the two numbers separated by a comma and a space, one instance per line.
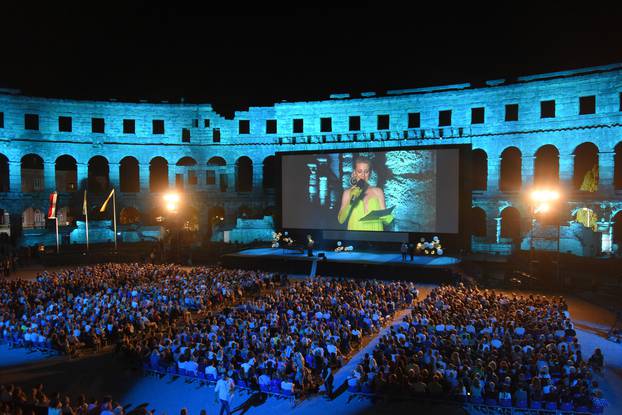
[617, 166]
[4, 174]
[216, 161]
[585, 169]
[270, 173]
[158, 174]
[617, 229]
[32, 173]
[244, 174]
[66, 173]
[478, 221]
[511, 223]
[129, 215]
[129, 175]
[479, 164]
[546, 166]
[33, 218]
[184, 168]
[510, 179]
[98, 175]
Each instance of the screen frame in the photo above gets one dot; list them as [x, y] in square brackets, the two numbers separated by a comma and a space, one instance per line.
[457, 241]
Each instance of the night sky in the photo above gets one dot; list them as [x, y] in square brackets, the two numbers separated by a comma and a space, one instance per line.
[263, 56]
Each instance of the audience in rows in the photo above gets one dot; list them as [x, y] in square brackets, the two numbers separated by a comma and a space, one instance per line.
[485, 347]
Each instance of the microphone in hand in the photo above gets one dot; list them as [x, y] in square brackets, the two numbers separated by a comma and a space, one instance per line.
[357, 192]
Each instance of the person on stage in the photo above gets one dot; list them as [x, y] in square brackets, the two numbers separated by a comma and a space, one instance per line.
[361, 199]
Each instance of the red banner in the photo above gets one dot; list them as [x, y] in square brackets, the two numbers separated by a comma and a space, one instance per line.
[52, 209]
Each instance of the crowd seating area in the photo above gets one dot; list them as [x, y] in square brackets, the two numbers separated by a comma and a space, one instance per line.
[481, 347]
[112, 303]
[281, 340]
[37, 401]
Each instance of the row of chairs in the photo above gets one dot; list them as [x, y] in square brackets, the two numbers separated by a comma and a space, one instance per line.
[273, 389]
[16, 341]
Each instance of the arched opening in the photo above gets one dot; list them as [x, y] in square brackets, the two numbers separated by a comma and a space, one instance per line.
[66, 171]
[129, 215]
[185, 168]
[587, 217]
[216, 174]
[216, 162]
[585, 173]
[244, 174]
[479, 164]
[4, 174]
[158, 174]
[33, 219]
[129, 175]
[32, 173]
[98, 178]
[510, 223]
[216, 215]
[617, 167]
[546, 166]
[510, 175]
[617, 230]
[478, 222]
[270, 174]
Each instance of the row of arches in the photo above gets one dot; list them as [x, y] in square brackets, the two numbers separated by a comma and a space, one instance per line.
[545, 168]
[511, 220]
[186, 172]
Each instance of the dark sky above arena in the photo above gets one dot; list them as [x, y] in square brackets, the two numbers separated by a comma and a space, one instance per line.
[245, 55]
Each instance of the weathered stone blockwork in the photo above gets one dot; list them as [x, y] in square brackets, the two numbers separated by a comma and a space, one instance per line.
[566, 131]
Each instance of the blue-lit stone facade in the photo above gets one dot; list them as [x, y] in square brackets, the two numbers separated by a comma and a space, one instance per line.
[528, 128]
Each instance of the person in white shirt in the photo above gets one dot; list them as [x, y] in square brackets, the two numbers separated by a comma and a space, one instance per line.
[224, 392]
[288, 385]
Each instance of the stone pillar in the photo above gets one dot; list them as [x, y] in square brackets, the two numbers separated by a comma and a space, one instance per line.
[143, 177]
[257, 177]
[528, 166]
[49, 177]
[498, 229]
[82, 175]
[113, 175]
[606, 166]
[493, 175]
[15, 176]
[566, 170]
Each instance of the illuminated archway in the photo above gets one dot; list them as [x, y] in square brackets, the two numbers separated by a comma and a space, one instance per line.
[546, 166]
[510, 170]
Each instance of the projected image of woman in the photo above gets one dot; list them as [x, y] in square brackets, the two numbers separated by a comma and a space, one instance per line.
[361, 199]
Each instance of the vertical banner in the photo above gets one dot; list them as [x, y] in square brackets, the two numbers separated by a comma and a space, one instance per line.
[52, 209]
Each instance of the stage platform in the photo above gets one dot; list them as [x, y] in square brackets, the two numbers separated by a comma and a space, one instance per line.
[385, 265]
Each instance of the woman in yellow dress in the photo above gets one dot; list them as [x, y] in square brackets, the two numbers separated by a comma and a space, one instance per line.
[357, 202]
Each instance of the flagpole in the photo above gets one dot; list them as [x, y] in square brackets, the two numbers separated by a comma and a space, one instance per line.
[86, 214]
[114, 217]
[57, 244]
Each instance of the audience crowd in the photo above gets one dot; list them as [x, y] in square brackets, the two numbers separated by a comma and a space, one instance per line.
[460, 342]
[288, 336]
[112, 303]
[484, 347]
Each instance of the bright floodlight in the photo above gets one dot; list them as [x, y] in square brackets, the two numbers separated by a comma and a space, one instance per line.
[544, 195]
[171, 197]
[172, 200]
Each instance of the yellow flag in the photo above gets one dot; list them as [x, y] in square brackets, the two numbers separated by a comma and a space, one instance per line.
[105, 205]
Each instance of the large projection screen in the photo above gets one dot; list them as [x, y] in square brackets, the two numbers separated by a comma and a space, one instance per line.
[319, 190]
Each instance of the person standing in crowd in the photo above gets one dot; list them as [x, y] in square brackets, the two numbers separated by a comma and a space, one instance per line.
[224, 392]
